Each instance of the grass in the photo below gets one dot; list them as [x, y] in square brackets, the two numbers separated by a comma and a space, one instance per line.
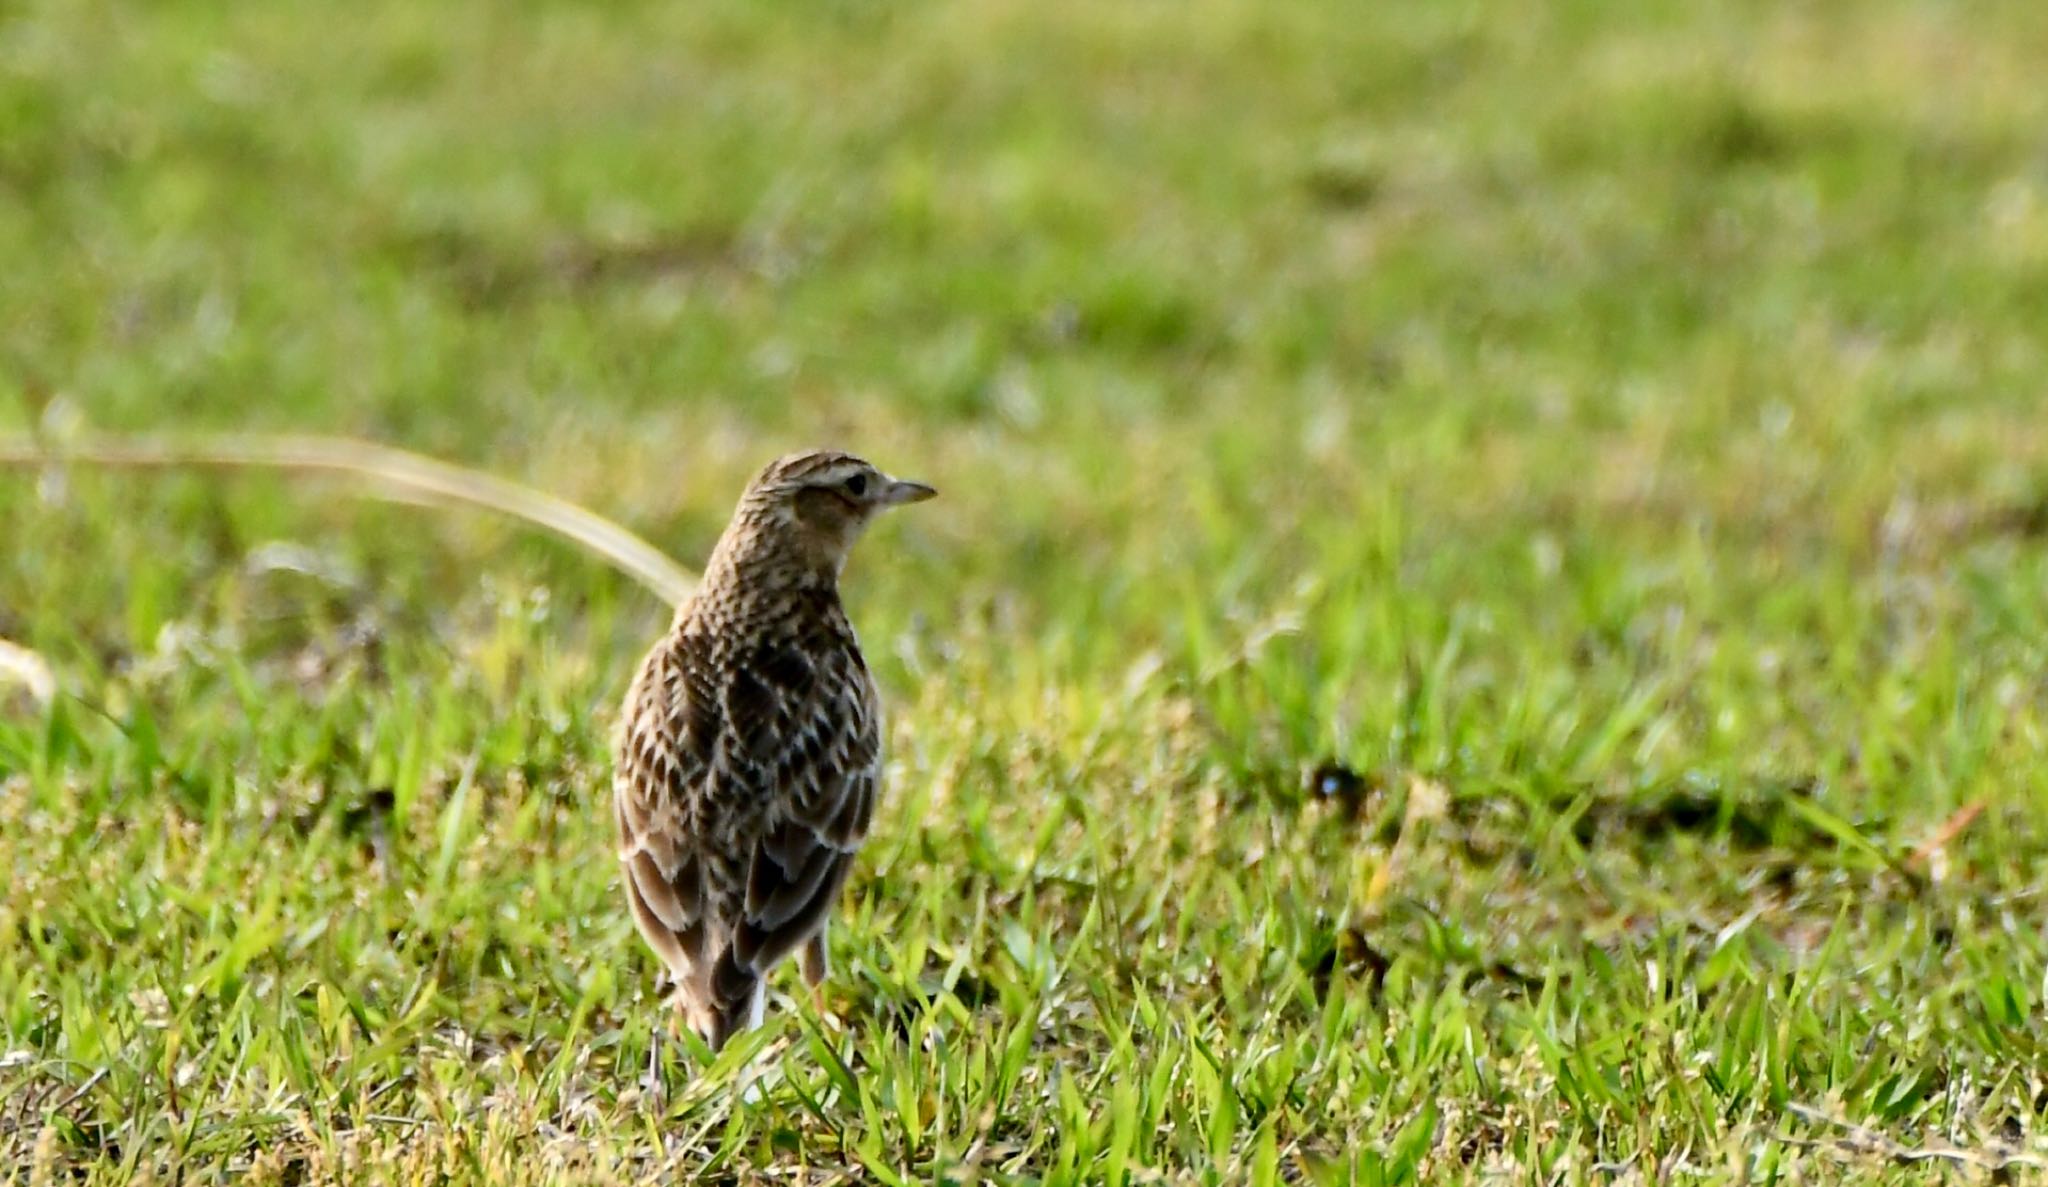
[1602, 448]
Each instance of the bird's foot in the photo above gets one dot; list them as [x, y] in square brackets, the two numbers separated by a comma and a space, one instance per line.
[821, 1009]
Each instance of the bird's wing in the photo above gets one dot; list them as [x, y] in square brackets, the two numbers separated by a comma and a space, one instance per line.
[805, 712]
[666, 748]
[792, 725]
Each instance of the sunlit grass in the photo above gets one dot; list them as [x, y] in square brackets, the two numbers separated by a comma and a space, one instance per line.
[1478, 548]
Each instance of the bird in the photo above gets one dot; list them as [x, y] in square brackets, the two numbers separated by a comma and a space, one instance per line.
[749, 752]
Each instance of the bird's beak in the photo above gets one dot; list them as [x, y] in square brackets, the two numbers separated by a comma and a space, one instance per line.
[901, 491]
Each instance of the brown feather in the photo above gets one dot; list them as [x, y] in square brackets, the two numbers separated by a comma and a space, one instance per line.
[750, 748]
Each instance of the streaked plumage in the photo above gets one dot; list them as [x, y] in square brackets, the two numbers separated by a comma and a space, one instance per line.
[749, 752]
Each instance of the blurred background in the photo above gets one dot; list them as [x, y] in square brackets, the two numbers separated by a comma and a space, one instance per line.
[1557, 310]
[1579, 408]
[1160, 283]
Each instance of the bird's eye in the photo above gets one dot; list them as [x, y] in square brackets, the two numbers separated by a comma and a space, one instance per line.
[857, 485]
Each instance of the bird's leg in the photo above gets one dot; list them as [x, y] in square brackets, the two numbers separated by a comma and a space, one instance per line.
[814, 962]
[653, 1088]
[653, 1085]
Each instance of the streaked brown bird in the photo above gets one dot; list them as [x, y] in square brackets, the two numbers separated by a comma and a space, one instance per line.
[750, 747]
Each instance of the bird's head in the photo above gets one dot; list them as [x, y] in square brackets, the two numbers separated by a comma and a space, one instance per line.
[815, 504]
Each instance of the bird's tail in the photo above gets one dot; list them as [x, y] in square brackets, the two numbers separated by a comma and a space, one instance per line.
[730, 1000]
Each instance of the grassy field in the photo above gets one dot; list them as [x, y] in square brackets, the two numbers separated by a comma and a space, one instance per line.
[1487, 618]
